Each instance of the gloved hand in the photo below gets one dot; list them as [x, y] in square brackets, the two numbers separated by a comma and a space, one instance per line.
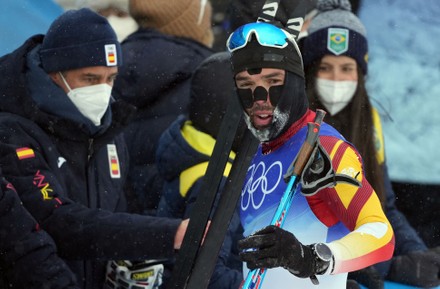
[419, 268]
[369, 277]
[273, 247]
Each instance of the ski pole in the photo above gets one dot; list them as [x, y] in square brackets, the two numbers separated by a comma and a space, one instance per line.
[255, 277]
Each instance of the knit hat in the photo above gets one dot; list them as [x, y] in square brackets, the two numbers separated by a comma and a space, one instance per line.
[77, 39]
[335, 30]
[183, 18]
[212, 86]
[212, 89]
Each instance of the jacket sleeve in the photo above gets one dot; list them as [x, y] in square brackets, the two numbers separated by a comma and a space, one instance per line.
[28, 254]
[79, 232]
[371, 238]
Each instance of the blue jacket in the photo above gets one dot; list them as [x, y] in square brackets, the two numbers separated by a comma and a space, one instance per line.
[70, 174]
[155, 78]
[182, 159]
[28, 254]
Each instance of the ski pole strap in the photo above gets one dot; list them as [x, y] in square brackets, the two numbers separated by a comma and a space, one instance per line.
[288, 15]
[307, 147]
[268, 11]
[319, 173]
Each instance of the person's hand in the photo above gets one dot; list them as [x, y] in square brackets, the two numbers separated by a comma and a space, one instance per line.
[274, 247]
[369, 277]
[181, 230]
[180, 234]
[419, 268]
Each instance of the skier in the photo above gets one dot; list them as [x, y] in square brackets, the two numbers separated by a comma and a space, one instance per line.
[336, 224]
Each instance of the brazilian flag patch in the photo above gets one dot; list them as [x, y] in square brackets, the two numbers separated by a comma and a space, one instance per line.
[337, 40]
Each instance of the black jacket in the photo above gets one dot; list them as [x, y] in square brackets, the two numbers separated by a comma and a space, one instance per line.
[70, 174]
[28, 254]
[155, 78]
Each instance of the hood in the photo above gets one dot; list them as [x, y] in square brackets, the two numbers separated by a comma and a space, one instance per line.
[156, 65]
[14, 96]
[175, 154]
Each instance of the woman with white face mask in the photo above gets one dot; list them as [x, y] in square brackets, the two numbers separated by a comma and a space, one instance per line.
[335, 53]
[336, 82]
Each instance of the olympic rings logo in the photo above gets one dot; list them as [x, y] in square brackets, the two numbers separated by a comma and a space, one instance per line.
[258, 181]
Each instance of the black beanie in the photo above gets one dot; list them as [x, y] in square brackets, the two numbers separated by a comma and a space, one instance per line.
[77, 39]
[212, 87]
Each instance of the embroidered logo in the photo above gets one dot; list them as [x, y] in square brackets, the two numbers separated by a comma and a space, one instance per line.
[61, 161]
[43, 186]
[337, 40]
[25, 153]
[110, 55]
[113, 161]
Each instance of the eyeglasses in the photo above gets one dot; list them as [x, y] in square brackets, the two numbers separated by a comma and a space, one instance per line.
[266, 34]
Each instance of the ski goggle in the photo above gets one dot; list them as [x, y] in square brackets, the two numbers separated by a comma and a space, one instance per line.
[266, 34]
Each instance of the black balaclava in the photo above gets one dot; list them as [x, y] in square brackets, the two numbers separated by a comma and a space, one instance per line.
[290, 99]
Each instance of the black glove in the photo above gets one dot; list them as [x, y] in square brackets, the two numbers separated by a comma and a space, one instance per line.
[274, 247]
[369, 277]
[419, 268]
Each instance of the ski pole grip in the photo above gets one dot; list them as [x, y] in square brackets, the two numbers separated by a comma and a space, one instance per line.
[309, 144]
[307, 147]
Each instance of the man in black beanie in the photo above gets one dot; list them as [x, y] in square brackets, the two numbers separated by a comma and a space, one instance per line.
[62, 150]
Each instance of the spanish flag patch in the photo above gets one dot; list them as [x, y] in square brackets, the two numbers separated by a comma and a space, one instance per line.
[113, 161]
[111, 54]
[25, 153]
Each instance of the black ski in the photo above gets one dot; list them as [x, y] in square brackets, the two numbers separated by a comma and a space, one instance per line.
[207, 257]
[202, 208]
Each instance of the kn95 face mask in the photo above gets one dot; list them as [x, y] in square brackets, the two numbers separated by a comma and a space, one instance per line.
[92, 101]
[335, 95]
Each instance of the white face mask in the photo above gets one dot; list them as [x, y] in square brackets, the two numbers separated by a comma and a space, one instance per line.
[92, 101]
[335, 95]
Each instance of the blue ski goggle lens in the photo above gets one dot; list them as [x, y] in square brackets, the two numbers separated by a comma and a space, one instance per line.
[266, 34]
